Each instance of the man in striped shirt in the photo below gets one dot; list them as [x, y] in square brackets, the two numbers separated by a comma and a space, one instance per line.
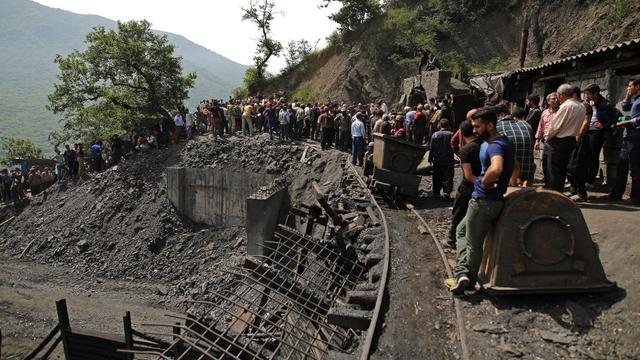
[543, 129]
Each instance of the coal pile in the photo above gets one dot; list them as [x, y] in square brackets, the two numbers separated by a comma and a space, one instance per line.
[119, 224]
[257, 154]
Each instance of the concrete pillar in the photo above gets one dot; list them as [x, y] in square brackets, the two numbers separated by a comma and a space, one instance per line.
[262, 219]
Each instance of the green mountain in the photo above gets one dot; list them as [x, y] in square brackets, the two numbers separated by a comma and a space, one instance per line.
[32, 34]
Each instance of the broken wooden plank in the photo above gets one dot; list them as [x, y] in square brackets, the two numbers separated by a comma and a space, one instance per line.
[322, 200]
[242, 319]
[372, 215]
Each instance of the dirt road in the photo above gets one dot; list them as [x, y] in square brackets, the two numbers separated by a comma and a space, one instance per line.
[28, 292]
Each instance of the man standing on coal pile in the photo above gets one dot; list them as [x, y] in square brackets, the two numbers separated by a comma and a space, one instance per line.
[630, 151]
[178, 120]
[519, 132]
[441, 156]
[358, 133]
[325, 121]
[561, 137]
[300, 114]
[247, 120]
[71, 160]
[96, 153]
[283, 120]
[168, 126]
[485, 206]
[345, 129]
[419, 125]
[270, 117]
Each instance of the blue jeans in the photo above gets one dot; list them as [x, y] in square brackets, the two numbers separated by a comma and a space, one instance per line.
[357, 150]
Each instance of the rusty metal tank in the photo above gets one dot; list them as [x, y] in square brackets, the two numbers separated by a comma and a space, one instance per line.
[397, 155]
[541, 244]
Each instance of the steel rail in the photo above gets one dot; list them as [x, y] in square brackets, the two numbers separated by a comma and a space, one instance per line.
[368, 342]
[457, 303]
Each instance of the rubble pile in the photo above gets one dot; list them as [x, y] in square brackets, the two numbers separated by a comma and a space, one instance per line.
[119, 224]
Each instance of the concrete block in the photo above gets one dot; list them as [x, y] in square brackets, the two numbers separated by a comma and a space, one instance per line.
[349, 317]
[436, 83]
[212, 196]
[262, 218]
[366, 299]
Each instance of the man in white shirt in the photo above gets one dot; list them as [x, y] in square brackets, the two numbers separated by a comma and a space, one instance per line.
[358, 133]
[179, 122]
[561, 137]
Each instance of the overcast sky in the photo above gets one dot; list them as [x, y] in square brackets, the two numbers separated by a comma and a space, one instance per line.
[215, 24]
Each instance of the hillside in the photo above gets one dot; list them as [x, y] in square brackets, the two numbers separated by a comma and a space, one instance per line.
[30, 37]
[372, 61]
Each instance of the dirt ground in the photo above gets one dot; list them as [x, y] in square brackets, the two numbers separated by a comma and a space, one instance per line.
[418, 323]
[28, 292]
[586, 326]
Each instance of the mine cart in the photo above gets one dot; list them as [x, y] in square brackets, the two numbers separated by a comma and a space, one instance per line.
[395, 162]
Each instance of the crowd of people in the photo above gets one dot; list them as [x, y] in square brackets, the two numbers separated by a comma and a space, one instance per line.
[497, 152]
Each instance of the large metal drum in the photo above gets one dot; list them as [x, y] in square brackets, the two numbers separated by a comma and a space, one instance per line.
[540, 244]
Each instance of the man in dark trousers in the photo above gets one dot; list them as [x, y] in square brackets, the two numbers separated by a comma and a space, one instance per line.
[630, 151]
[470, 164]
[603, 116]
[561, 137]
[441, 156]
[533, 118]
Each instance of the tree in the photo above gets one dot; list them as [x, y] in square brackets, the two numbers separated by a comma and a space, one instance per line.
[261, 13]
[353, 13]
[297, 51]
[17, 148]
[127, 78]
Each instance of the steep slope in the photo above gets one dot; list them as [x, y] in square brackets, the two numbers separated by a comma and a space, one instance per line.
[353, 73]
[30, 37]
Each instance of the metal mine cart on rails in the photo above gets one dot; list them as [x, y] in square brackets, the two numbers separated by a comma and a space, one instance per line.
[394, 164]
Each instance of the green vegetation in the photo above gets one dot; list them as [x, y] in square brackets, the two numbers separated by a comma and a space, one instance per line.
[296, 51]
[619, 10]
[30, 37]
[304, 94]
[495, 65]
[354, 13]
[261, 13]
[127, 78]
[16, 148]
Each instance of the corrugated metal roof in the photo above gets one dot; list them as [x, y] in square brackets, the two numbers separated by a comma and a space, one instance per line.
[620, 46]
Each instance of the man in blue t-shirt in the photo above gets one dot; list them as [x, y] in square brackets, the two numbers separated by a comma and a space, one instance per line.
[497, 161]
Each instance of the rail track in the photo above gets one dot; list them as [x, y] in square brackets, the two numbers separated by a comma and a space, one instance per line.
[371, 333]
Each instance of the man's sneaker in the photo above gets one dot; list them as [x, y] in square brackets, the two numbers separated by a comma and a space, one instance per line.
[578, 198]
[459, 285]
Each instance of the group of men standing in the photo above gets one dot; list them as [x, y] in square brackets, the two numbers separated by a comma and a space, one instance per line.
[497, 153]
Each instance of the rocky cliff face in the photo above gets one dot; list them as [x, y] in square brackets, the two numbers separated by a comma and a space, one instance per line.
[556, 30]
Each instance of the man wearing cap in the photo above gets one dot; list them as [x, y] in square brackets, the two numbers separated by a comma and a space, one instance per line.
[561, 137]
[604, 115]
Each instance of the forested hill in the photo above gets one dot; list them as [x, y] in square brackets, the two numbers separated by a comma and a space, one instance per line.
[32, 34]
[371, 58]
